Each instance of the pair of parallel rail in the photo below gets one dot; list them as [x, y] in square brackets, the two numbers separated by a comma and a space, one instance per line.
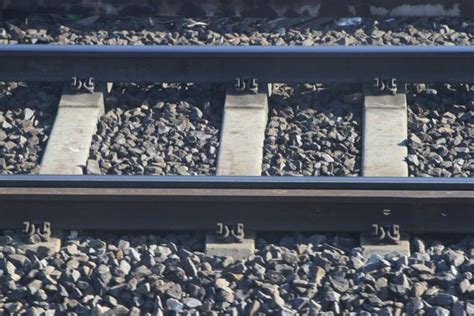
[261, 203]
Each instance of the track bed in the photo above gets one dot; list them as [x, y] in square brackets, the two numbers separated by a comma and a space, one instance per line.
[315, 130]
[289, 274]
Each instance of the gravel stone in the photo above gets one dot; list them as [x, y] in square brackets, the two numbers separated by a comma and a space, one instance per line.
[445, 299]
[470, 307]
[312, 131]
[191, 302]
[93, 167]
[438, 311]
[162, 129]
[458, 309]
[437, 154]
[54, 29]
[318, 279]
[441, 130]
[26, 117]
[174, 305]
[173, 129]
[125, 267]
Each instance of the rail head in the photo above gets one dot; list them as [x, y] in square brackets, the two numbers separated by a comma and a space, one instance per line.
[364, 51]
[236, 182]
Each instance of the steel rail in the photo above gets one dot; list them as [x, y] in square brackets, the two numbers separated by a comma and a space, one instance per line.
[248, 8]
[236, 182]
[282, 204]
[225, 63]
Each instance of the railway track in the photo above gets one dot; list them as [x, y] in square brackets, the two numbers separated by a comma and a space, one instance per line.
[317, 267]
[255, 66]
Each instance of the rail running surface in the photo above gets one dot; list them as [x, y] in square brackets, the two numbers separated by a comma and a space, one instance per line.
[408, 64]
[262, 204]
[247, 8]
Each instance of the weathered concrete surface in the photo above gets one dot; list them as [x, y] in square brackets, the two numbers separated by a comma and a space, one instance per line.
[247, 8]
[385, 125]
[70, 139]
[237, 250]
[240, 154]
[369, 248]
[242, 134]
[42, 249]
[384, 135]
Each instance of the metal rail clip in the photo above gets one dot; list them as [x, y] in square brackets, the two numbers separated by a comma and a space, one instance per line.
[244, 85]
[83, 84]
[389, 85]
[36, 233]
[230, 233]
[386, 233]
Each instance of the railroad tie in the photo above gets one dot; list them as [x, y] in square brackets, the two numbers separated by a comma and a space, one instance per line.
[240, 154]
[385, 127]
[68, 147]
[243, 133]
[384, 135]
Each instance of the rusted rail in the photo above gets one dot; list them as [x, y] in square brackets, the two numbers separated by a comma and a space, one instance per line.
[282, 204]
